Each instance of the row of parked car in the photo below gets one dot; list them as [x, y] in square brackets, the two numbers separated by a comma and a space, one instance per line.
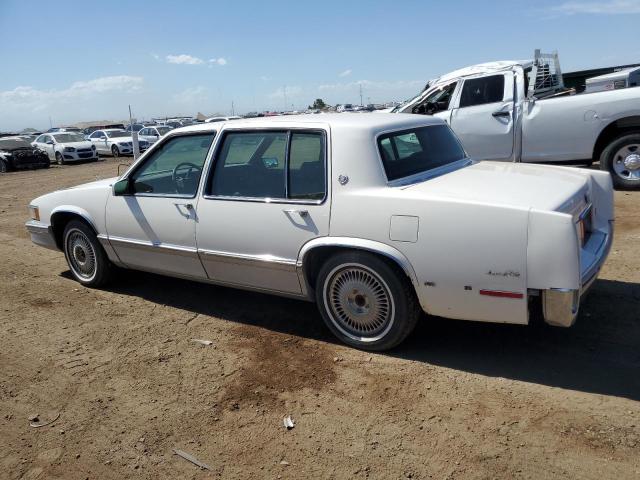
[64, 145]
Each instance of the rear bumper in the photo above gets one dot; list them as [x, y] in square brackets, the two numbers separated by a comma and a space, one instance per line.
[41, 234]
[560, 306]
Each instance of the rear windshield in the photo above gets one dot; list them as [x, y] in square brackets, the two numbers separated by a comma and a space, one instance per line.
[418, 150]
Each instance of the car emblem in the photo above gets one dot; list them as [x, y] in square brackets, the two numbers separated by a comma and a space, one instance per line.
[343, 179]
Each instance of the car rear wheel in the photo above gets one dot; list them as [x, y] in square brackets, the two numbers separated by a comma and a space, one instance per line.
[115, 151]
[365, 301]
[4, 168]
[621, 158]
[85, 256]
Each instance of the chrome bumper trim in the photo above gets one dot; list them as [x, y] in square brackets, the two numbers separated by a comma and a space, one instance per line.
[41, 234]
[560, 306]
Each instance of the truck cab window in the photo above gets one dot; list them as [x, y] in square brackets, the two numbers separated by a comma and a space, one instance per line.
[436, 101]
[479, 91]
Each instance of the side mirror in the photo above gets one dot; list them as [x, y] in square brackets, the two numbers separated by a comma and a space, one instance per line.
[122, 187]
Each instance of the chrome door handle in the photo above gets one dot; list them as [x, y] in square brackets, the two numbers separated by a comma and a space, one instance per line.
[188, 206]
[501, 113]
[302, 213]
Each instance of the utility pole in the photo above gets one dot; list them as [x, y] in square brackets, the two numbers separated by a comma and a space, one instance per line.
[284, 91]
[360, 84]
[233, 112]
[50, 123]
[134, 137]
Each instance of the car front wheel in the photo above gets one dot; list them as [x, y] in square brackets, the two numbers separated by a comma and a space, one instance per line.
[365, 301]
[59, 158]
[85, 256]
[115, 151]
[4, 168]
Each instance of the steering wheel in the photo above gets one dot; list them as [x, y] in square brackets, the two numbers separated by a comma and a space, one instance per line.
[180, 179]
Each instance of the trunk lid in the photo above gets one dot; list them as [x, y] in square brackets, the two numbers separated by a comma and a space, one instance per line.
[540, 187]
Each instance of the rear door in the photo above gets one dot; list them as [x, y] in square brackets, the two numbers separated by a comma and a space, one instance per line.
[265, 197]
[483, 117]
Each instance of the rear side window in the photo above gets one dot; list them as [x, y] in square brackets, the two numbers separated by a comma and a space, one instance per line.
[478, 91]
[418, 150]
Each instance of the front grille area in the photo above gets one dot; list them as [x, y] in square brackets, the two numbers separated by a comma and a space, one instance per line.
[27, 157]
[83, 150]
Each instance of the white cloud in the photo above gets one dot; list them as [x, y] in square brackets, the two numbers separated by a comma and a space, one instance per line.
[191, 96]
[290, 92]
[82, 100]
[346, 73]
[218, 61]
[611, 7]
[26, 95]
[184, 59]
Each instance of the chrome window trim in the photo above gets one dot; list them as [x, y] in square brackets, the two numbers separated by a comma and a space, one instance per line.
[219, 141]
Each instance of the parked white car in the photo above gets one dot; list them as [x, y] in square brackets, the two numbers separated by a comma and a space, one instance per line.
[347, 107]
[374, 217]
[152, 134]
[518, 111]
[66, 147]
[221, 119]
[115, 142]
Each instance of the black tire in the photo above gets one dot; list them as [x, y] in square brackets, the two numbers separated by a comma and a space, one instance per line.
[115, 151]
[85, 256]
[59, 159]
[365, 301]
[46, 165]
[4, 166]
[623, 152]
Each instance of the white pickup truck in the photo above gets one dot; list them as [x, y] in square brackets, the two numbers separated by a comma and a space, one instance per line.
[520, 111]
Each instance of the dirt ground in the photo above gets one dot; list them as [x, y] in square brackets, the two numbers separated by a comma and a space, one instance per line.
[457, 400]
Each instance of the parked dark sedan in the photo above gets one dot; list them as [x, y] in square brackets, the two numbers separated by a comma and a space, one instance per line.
[17, 153]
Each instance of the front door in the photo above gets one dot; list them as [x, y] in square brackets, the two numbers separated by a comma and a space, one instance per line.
[41, 143]
[484, 117]
[265, 197]
[99, 139]
[153, 227]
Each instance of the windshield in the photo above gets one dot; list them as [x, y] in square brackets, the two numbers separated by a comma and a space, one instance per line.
[68, 137]
[11, 143]
[118, 133]
[418, 150]
[163, 130]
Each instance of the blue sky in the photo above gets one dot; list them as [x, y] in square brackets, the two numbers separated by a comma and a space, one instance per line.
[78, 61]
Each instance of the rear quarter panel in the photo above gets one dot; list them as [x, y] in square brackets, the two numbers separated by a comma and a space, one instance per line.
[461, 248]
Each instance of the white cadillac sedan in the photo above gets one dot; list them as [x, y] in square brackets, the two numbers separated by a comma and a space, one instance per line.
[115, 142]
[63, 147]
[376, 218]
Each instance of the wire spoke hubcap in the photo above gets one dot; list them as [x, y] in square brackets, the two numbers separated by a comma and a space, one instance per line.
[359, 302]
[626, 162]
[82, 257]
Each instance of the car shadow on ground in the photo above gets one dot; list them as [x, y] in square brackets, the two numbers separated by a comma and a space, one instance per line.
[599, 354]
